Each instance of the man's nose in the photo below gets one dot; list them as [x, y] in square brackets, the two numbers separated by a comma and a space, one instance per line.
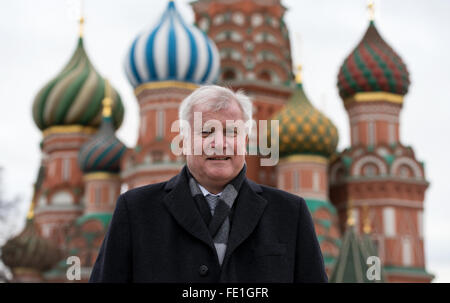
[218, 142]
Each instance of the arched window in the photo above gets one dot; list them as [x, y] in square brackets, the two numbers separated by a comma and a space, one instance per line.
[370, 170]
[265, 76]
[219, 19]
[62, 198]
[238, 18]
[203, 24]
[229, 74]
[405, 171]
[257, 20]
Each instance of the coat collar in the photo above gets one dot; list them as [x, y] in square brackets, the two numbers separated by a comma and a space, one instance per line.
[181, 205]
[250, 206]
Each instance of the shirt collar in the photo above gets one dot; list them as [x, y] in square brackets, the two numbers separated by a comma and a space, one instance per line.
[205, 192]
[236, 182]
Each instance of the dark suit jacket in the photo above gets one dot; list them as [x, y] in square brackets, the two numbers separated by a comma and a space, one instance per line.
[158, 235]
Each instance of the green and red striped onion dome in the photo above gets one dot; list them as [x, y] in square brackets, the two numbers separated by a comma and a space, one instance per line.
[303, 129]
[373, 66]
[74, 96]
[31, 251]
[102, 153]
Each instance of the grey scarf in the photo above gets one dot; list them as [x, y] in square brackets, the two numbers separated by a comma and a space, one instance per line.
[220, 208]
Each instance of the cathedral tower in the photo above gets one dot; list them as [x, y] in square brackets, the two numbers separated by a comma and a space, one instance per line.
[377, 169]
[307, 140]
[68, 110]
[164, 65]
[254, 46]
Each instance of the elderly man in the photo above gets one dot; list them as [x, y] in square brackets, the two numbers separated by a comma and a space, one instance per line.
[210, 223]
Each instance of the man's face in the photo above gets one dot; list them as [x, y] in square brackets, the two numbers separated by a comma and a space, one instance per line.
[223, 149]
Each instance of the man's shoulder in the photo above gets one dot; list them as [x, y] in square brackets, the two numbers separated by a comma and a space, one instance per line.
[144, 192]
[277, 196]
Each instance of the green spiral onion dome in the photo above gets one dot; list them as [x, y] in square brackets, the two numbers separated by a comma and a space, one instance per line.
[74, 96]
[373, 66]
[102, 153]
[31, 251]
[304, 129]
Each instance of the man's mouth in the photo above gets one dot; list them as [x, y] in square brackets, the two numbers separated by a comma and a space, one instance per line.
[218, 158]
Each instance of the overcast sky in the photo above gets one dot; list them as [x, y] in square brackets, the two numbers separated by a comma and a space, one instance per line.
[38, 38]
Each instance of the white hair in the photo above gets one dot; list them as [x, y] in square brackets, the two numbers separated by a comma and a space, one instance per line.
[216, 98]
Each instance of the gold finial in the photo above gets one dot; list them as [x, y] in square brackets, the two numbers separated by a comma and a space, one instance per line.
[30, 214]
[350, 218]
[298, 76]
[81, 20]
[107, 101]
[371, 9]
[366, 228]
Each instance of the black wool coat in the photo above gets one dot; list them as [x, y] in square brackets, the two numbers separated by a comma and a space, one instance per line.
[158, 235]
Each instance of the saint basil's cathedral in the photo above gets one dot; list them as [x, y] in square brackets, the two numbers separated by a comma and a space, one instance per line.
[366, 200]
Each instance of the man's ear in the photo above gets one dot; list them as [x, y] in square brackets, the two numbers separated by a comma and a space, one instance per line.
[183, 146]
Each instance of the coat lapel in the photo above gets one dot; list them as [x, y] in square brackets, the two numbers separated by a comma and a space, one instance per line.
[249, 209]
[182, 206]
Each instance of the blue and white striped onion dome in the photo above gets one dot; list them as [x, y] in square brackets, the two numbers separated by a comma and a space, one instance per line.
[172, 50]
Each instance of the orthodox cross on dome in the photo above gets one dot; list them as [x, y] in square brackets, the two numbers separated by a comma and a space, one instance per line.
[350, 218]
[298, 76]
[30, 214]
[299, 56]
[366, 228]
[81, 19]
[107, 100]
[371, 9]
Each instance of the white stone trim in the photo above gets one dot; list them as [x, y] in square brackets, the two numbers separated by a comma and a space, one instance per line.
[420, 225]
[373, 117]
[333, 171]
[382, 167]
[371, 133]
[66, 169]
[63, 154]
[316, 181]
[160, 123]
[309, 194]
[389, 202]
[159, 105]
[58, 208]
[61, 198]
[388, 109]
[407, 256]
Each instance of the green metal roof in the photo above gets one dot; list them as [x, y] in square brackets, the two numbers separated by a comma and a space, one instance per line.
[351, 266]
[104, 218]
[315, 204]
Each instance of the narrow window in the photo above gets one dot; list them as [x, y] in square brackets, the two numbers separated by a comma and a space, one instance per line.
[389, 221]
